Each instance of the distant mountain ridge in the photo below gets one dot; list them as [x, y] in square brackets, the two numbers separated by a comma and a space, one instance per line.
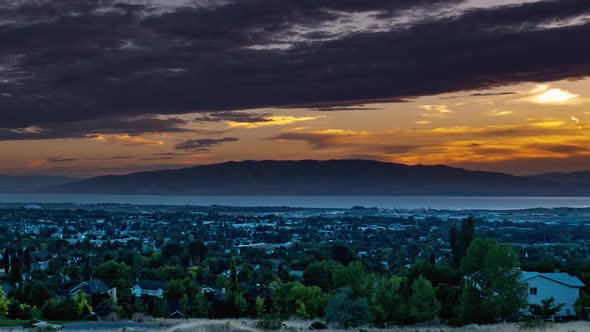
[26, 183]
[331, 177]
[575, 178]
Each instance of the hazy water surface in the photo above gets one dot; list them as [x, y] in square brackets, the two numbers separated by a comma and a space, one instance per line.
[404, 202]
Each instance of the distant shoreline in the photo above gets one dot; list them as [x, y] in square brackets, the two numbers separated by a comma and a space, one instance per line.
[321, 202]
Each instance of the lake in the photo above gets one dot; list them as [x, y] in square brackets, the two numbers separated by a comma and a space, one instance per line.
[389, 202]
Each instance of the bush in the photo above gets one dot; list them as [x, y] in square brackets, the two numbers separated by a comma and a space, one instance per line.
[20, 311]
[59, 310]
[269, 323]
[318, 326]
[535, 324]
[347, 311]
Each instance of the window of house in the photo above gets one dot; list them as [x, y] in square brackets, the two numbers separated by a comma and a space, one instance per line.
[533, 290]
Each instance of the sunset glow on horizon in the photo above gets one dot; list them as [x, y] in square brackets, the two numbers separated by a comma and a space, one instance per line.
[151, 93]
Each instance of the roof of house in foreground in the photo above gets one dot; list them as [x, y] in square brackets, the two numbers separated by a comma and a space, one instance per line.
[559, 277]
[90, 287]
[151, 284]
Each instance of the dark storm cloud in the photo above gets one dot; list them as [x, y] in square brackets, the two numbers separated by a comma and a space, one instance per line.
[203, 144]
[84, 62]
[337, 109]
[479, 94]
[80, 129]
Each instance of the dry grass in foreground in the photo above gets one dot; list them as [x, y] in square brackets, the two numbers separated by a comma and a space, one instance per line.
[203, 325]
[294, 326]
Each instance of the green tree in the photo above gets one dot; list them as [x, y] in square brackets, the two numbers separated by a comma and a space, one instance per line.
[346, 311]
[260, 307]
[296, 298]
[460, 239]
[185, 305]
[6, 261]
[547, 309]
[301, 311]
[27, 260]
[342, 254]
[83, 307]
[104, 307]
[38, 294]
[200, 306]
[241, 304]
[582, 305]
[353, 276]
[178, 288]
[233, 276]
[4, 303]
[423, 303]
[493, 289]
[116, 275]
[171, 249]
[197, 250]
[15, 269]
[319, 274]
[60, 310]
[388, 305]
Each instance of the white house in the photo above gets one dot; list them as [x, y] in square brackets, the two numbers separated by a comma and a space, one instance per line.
[563, 287]
[152, 288]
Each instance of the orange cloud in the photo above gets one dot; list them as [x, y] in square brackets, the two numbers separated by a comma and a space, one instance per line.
[275, 120]
[451, 145]
[545, 95]
[127, 139]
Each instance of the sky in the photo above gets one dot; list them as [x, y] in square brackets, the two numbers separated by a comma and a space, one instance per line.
[94, 87]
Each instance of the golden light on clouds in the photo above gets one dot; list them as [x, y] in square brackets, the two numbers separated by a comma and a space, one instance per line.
[436, 108]
[485, 130]
[499, 113]
[275, 120]
[127, 139]
[543, 138]
[554, 96]
[539, 88]
[439, 111]
[543, 94]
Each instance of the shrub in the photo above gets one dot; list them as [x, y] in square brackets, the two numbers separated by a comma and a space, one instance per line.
[269, 323]
[318, 326]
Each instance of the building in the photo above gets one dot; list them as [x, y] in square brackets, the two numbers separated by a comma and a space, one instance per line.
[153, 288]
[6, 288]
[93, 288]
[563, 287]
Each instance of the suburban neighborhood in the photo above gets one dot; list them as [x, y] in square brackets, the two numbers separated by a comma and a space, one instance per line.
[116, 262]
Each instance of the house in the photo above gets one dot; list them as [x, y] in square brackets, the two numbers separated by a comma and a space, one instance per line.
[296, 274]
[6, 288]
[175, 310]
[40, 266]
[92, 288]
[153, 288]
[563, 287]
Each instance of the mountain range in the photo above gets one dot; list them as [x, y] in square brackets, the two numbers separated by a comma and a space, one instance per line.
[331, 177]
[30, 183]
